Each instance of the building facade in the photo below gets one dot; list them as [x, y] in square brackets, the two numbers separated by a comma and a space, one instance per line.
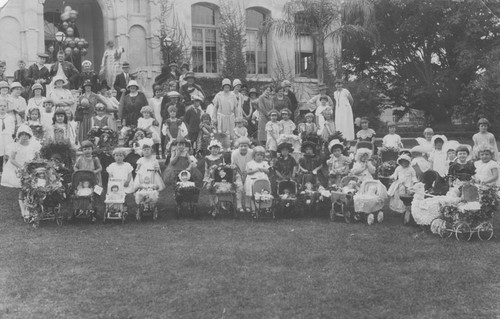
[134, 25]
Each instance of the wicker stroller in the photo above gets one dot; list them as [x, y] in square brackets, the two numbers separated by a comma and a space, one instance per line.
[83, 183]
[262, 199]
[369, 201]
[146, 196]
[43, 192]
[115, 201]
[342, 199]
[186, 196]
[224, 190]
[388, 164]
[287, 198]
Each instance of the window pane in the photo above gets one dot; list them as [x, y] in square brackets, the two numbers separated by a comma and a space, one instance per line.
[251, 40]
[254, 19]
[251, 63]
[211, 58]
[262, 60]
[197, 50]
[202, 15]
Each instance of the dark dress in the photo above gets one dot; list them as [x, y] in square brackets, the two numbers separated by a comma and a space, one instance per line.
[35, 74]
[309, 163]
[130, 108]
[92, 77]
[249, 107]
[463, 172]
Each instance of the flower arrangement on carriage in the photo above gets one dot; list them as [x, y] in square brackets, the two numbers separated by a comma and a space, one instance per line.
[43, 191]
[387, 168]
[38, 131]
[104, 138]
[472, 215]
[61, 155]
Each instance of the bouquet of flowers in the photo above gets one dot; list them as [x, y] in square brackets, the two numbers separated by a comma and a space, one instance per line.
[38, 131]
[387, 168]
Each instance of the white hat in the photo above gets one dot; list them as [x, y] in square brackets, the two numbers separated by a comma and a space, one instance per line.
[132, 83]
[148, 142]
[214, 143]
[226, 82]
[235, 82]
[15, 85]
[184, 172]
[23, 128]
[421, 149]
[362, 151]
[404, 157]
[60, 78]
[442, 137]
[86, 63]
[333, 143]
[173, 94]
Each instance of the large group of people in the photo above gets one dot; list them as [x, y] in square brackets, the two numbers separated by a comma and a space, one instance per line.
[265, 135]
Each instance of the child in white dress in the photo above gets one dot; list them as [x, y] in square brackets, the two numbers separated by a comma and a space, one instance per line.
[392, 140]
[437, 157]
[404, 178]
[484, 137]
[7, 129]
[21, 152]
[363, 168]
[273, 132]
[240, 130]
[149, 124]
[487, 170]
[256, 169]
[287, 127]
[148, 165]
[121, 170]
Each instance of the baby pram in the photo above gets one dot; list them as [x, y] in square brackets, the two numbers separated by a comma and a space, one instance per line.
[43, 192]
[83, 183]
[224, 190]
[262, 199]
[186, 197]
[115, 201]
[369, 201]
[342, 199]
[287, 198]
[146, 195]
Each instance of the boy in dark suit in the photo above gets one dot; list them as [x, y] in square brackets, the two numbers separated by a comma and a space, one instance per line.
[192, 118]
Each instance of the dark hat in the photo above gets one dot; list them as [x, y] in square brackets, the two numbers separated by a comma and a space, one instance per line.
[86, 144]
[104, 84]
[125, 63]
[181, 140]
[253, 90]
[307, 144]
[185, 65]
[173, 63]
[189, 75]
[285, 145]
[87, 83]
[42, 55]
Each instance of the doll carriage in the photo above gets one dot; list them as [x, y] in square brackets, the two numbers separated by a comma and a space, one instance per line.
[224, 190]
[369, 202]
[263, 199]
[388, 163]
[44, 192]
[186, 196]
[287, 198]
[342, 200]
[308, 195]
[83, 183]
[61, 156]
[146, 196]
[473, 216]
[115, 201]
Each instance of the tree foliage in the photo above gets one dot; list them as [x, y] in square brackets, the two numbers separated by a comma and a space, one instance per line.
[430, 55]
[322, 20]
[232, 32]
[170, 27]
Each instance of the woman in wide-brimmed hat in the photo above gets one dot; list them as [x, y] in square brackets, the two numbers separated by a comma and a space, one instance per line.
[85, 109]
[131, 105]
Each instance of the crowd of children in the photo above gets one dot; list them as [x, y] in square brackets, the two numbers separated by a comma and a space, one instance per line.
[196, 141]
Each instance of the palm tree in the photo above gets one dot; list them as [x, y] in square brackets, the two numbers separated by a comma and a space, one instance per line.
[323, 20]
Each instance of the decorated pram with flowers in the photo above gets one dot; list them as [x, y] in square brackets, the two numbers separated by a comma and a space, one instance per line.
[263, 199]
[224, 189]
[472, 215]
[43, 192]
[146, 194]
[61, 156]
[115, 201]
[287, 198]
[388, 162]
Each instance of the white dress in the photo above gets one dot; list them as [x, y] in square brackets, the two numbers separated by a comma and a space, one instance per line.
[155, 103]
[23, 154]
[36, 104]
[344, 121]
[483, 171]
[392, 140]
[251, 178]
[438, 159]
[7, 129]
[147, 165]
[147, 125]
[121, 171]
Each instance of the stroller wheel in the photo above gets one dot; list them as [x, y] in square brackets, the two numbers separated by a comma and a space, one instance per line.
[370, 219]
[380, 217]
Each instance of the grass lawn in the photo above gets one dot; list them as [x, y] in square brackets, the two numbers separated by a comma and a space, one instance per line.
[200, 268]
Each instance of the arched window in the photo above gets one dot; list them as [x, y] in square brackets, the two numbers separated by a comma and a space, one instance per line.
[256, 51]
[204, 39]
